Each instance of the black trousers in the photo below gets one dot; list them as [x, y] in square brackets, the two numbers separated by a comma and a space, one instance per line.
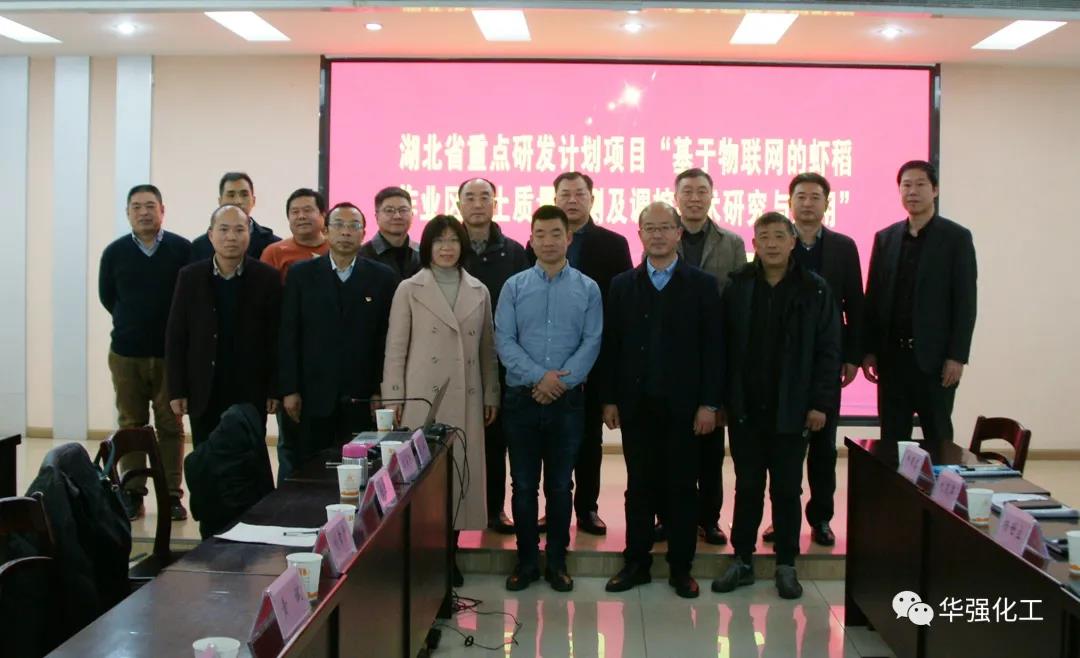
[659, 449]
[318, 433]
[903, 390]
[758, 453]
[821, 473]
[710, 480]
[495, 460]
[590, 455]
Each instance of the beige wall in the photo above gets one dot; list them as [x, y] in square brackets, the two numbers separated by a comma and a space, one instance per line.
[1010, 141]
[1008, 151]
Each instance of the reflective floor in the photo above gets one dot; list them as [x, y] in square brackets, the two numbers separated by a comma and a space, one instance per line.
[652, 621]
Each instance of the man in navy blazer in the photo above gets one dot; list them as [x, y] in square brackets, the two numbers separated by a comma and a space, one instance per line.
[920, 311]
[334, 318]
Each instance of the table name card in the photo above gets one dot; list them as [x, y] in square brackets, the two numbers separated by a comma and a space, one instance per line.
[336, 540]
[1018, 531]
[407, 461]
[951, 491]
[284, 601]
[916, 465]
[422, 450]
[384, 489]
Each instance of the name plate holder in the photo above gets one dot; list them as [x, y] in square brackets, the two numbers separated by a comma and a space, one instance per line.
[423, 452]
[916, 468]
[385, 494]
[406, 459]
[283, 609]
[950, 491]
[336, 542]
[1019, 532]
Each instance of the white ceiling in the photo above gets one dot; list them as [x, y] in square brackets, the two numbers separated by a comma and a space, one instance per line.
[684, 34]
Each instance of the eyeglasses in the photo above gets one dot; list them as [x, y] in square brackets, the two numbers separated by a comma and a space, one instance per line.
[400, 210]
[655, 230]
[352, 226]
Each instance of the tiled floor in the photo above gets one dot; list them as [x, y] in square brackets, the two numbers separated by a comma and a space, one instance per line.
[652, 621]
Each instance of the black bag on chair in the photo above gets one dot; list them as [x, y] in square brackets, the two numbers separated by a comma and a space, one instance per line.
[230, 471]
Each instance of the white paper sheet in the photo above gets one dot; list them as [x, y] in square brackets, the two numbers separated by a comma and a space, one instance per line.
[271, 534]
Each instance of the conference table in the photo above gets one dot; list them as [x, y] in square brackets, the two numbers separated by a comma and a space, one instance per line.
[383, 604]
[900, 539]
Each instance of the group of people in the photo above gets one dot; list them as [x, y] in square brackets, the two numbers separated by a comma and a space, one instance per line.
[546, 343]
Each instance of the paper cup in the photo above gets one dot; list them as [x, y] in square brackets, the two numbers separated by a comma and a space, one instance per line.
[342, 509]
[310, 567]
[979, 505]
[1074, 552]
[902, 446]
[384, 420]
[348, 476]
[388, 448]
[224, 647]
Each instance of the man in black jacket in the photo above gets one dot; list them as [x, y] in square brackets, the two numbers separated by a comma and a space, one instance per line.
[599, 254]
[391, 245]
[334, 318]
[236, 189]
[494, 259]
[783, 380]
[221, 342]
[920, 311]
[835, 258]
[661, 371]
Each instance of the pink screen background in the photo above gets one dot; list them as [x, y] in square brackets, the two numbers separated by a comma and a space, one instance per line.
[427, 126]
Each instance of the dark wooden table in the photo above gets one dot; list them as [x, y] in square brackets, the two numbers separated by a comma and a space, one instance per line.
[899, 539]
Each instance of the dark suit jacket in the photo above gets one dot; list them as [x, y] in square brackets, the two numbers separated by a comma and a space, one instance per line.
[945, 293]
[604, 254]
[333, 334]
[191, 336]
[261, 238]
[841, 269]
[693, 339]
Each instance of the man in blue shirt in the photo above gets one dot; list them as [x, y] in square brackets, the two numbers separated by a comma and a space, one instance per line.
[548, 326]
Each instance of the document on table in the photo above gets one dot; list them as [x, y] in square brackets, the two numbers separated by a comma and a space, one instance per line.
[998, 501]
[271, 534]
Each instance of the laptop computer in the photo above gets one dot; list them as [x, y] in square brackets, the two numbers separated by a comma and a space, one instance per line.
[406, 434]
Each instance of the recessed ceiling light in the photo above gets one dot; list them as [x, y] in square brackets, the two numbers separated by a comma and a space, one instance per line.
[374, 27]
[1016, 34]
[502, 24]
[633, 27]
[762, 29]
[20, 32]
[248, 25]
[890, 32]
[126, 28]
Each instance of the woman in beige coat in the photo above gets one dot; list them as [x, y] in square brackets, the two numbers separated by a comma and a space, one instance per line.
[441, 327]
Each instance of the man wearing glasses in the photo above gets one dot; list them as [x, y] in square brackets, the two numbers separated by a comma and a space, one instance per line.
[661, 369]
[391, 245]
[334, 317]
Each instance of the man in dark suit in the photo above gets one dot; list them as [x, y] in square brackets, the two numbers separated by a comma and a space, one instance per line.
[221, 341]
[236, 189]
[835, 258]
[334, 319]
[661, 369]
[782, 331]
[494, 259]
[599, 254]
[920, 311]
[391, 245]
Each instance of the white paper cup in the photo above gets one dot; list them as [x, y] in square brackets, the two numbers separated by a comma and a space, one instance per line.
[1074, 552]
[224, 647]
[384, 420]
[902, 446]
[388, 449]
[348, 476]
[979, 505]
[342, 509]
[310, 567]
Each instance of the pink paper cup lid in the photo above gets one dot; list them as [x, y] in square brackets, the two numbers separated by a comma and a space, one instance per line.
[354, 450]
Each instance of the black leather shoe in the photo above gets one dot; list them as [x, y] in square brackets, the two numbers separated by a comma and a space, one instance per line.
[559, 579]
[822, 535]
[714, 535]
[521, 578]
[787, 583]
[176, 509]
[659, 533]
[629, 577]
[685, 585]
[541, 524]
[768, 535]
[501, 524]
[592, 524]
[739, 574]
